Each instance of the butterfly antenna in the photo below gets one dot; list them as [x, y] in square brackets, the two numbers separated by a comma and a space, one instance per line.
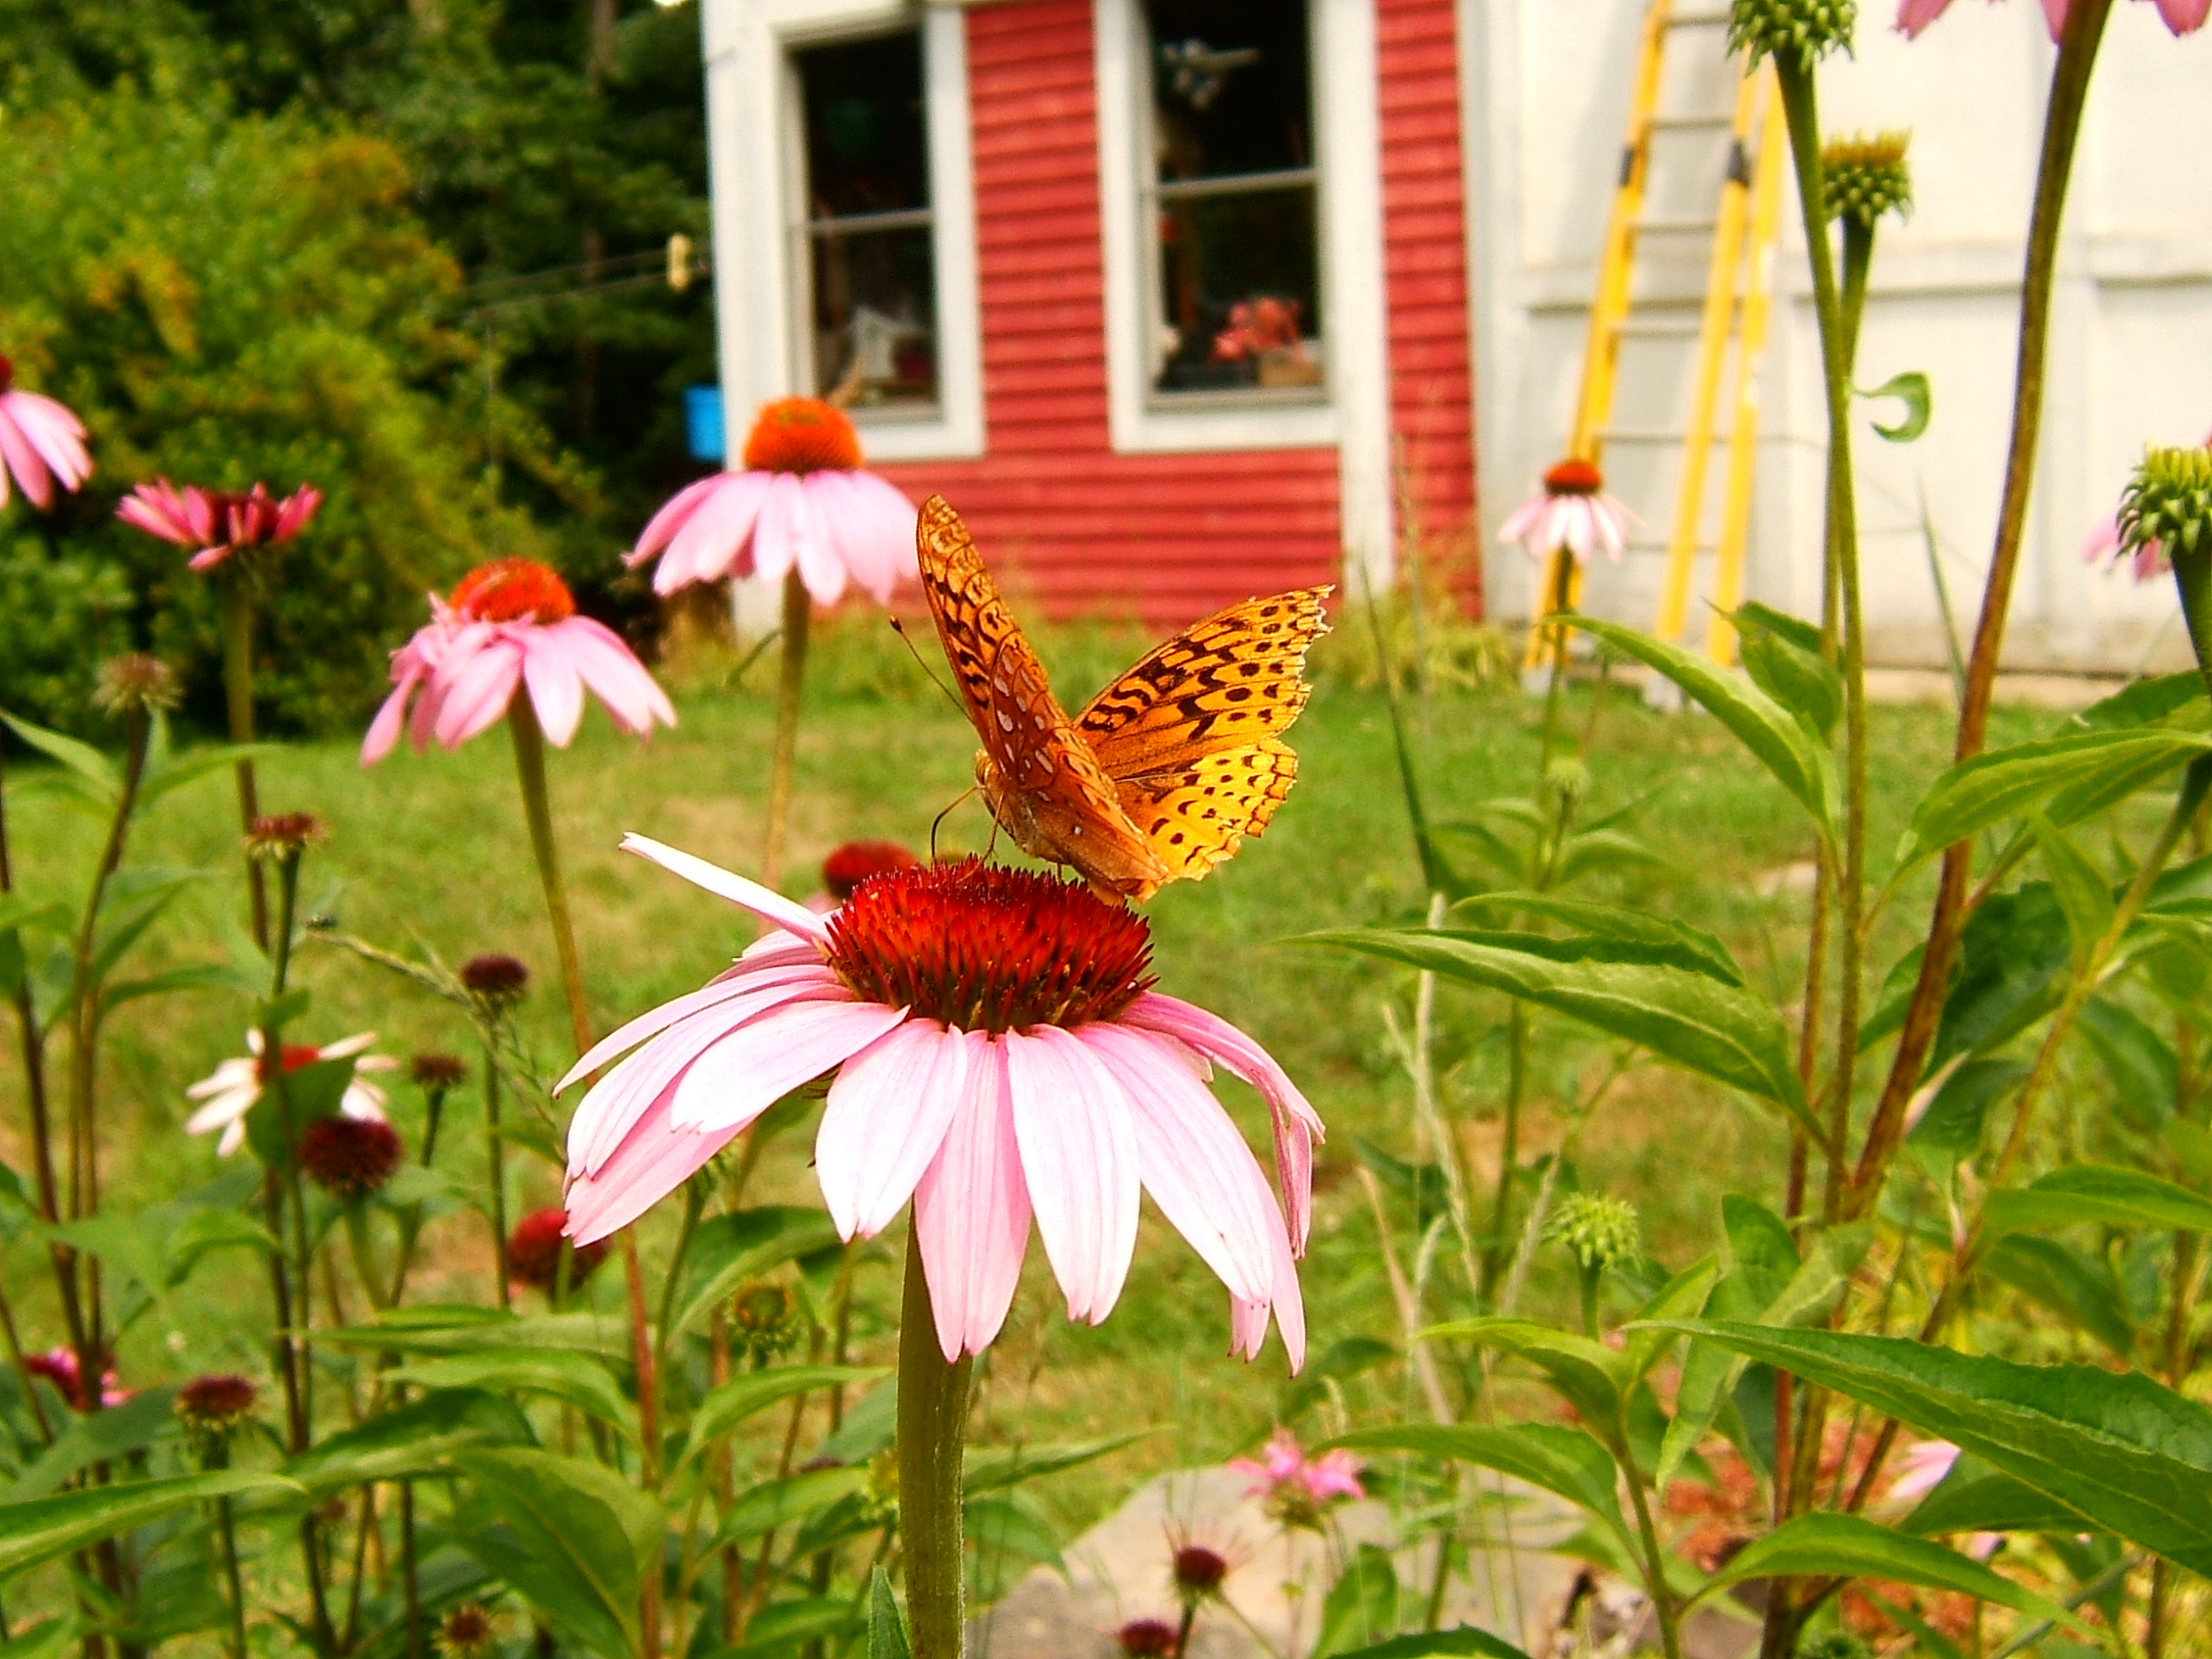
[899, 629]
[947, 813]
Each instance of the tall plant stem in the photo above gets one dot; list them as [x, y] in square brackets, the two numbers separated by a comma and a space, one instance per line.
[33, 1045]
[790, 690]
[932, 1432]
[238, 696]
[495, 1158]
[410, 1585]
[22, 1366]
[226, 1532]
[1801, 107]
[1654, 1561]
[2062, 126]
[537, 807]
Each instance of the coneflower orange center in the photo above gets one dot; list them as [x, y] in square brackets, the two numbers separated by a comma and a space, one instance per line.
[514, 589]
[989, 948]
[801, 434]
[295, 1054]
[1574, 477]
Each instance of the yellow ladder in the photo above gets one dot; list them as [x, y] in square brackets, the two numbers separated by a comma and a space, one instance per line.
[1735, 310]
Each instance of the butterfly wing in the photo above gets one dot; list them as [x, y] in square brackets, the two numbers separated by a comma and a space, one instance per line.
[1190, 735]
[1039, 778]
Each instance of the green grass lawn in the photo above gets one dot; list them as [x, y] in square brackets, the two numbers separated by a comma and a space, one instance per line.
[433, 849]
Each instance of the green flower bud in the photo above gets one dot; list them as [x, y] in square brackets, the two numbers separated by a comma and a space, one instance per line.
[1806, 29]
[1601, 1230]
[2169, 501]
[1865, 176]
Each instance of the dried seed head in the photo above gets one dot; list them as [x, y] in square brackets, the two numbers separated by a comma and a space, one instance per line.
[213, 1407]
[284, 836]
[438, 1072]
[1147, 1638]
[350, 1156]
[137, 683]
[533, 1252]
[498, 981]
[467, 1632]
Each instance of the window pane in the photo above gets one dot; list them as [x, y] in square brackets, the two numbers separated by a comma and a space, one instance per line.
[867, 148]
[1229, 87]
[875, 310]
[1239, 291]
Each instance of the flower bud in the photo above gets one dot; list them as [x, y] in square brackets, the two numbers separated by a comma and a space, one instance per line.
[765, 1317]
[1599, 1229]
[1864, 177]
[284, 836]
[497, 982]
[1802, 29]
[349, 1157]
[2169, 501]
[137, 683]
[212, 1408]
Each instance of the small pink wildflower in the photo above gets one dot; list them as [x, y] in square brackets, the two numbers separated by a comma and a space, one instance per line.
[217, 522]
[1295, 1489]
[2182, 16]
[41, 443]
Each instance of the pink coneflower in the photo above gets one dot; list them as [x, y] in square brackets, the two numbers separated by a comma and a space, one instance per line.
[59, 1367]
[1295, 1488]
[1921, 1467]
[533, 1252]
[40, 443]
[350, 1156]
[217, 522]
[853, 862]
[1571, 511]
[999, 1052]
[510, 625]
[2182, 16]
[801, 503]
[232, 1088]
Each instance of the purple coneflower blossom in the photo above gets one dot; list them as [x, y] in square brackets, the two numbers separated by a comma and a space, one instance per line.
[1571, 511]
[2182, 16]
[217, 523]
[998, 1054]
[230, 1092]
[41, 443]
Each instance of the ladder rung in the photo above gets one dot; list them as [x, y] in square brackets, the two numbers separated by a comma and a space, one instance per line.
[1649, 434]
[1653, 544]
[1697, 19]
[1688, 329]
[1679, 227]
[1691, 123]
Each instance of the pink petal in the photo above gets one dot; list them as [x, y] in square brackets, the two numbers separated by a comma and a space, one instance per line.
[19, 456]
[1079, 1159]
[556, 691]
[887, 1115]
[157, 509]
[1248, 1321]
[770, 907]
[1297, 1125]
[652, 1161]
[1524, 518]
[1914, 15]
[726, 988]
[777, 531]
[1191, 1159]
[298, 507]
[2184, 17]
[2054, 14]
[383, 730]
[764, 1059]
[474, 690]
[674, 513]
[971, 1209]
[634, 700]
[55, 434]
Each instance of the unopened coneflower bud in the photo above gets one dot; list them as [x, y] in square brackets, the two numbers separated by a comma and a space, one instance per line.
[498, 981]
[1865, 176]
[212, 1408]
[436, 1071]
[467, 1632]
[1147, 1638]
[1199, 1573]
[2169, 501]
[137, 683]
[1801, 29]
[284, 836]
[1599, 1229]
[350, 1156]
[765, 1318]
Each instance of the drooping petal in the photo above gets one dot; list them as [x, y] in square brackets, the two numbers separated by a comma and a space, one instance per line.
[713, 542]
[2054, 15]
[2184, 17]
[1914, 15]
[475, 689]
[770, 907]
[556, 691]
[675, 513]
[1079, 1159]
[1248, 1321]
[885, 1119]
[1190, 1157]
[971, 1209]
[754, 1066]
[776, 530]
[633, 698]
[19, 456]
[652, 1161]
[819, 567]
[712, 995]
[383, 730]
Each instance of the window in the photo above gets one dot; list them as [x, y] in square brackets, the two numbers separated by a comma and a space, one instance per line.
[1230, 200]
[866, 231]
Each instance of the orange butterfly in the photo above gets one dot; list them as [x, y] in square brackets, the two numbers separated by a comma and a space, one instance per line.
[1164, 771]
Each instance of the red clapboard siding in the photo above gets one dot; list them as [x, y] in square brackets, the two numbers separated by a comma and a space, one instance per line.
[1425, 276]
[1071, 525]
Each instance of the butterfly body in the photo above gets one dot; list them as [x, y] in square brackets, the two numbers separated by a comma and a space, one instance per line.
[1166, 770]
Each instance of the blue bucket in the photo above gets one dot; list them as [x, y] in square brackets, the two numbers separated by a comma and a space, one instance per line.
[703, 423]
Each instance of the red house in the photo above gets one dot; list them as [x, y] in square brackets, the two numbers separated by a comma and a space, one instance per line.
[1168, 297]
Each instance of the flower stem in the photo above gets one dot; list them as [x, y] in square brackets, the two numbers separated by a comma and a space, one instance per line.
[410, 1583]
[537, 807]
[933, 1431]
[791, 685]
[495, 1157]
[238, 694]
[1654, 1557]
[2062, 126]
[228, 1531]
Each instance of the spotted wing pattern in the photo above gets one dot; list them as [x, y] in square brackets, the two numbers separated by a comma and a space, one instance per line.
[1041, 780]
[1195, 816]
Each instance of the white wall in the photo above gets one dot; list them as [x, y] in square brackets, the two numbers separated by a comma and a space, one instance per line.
[2131, 345]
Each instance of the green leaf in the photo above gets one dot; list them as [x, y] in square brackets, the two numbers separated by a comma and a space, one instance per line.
[82, 758]
[1911, 389]
[774, 1503]
[135, 1424]
[449, 1327]
[2071, 1283]
[887, 1637]
[1592, 1378]
[2009, 783]
[2142, 703]
[2127, 1455]
[1783, 657]
[1440, 1645]
[1466, 839]
[1681, 1298]
[1828, 1266]
[2145, 1071]
[47, 1527]
[2082, 891]
[1720, 1031]
[1950, 1131]
[1775, 736]
[1362, 1605]
[2014, 953]
[1566, 1462]
[729, 1249]
[2101, 1195]
[577, 1539]
[987, 1469]
[420, 1438]
[1852, 1546]
[1761, 1247]
[579, 1379]
[2192, 1145]
[1666, 941]
[309, 1094]
[175, 775]
[781, 1626]
[1974, 1497]
[1596, 850]
[742, 1397]
[201, 976]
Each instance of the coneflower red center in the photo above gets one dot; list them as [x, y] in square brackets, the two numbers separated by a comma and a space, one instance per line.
[294, 1054]
[514, 589]
[801, 434]
[1573, 477]
[989, 948]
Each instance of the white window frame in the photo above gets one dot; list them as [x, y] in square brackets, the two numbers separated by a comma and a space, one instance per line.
[1352, 413]
[756, 171]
